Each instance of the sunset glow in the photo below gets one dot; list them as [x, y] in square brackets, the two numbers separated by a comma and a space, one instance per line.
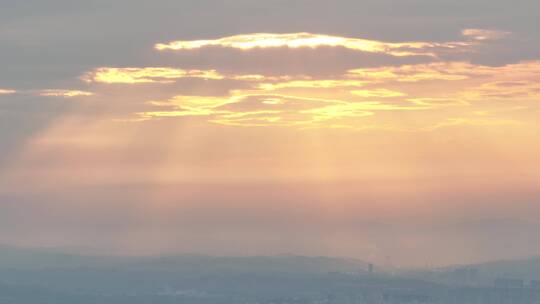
[268, 127]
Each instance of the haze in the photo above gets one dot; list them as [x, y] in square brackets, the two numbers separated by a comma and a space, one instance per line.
[404, 133]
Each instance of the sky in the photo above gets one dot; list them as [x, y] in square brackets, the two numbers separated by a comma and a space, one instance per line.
[405, 133]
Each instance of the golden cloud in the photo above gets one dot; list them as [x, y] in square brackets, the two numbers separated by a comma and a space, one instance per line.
[111, 75]
[454, 89]
[64, 93]
[309, 40]
[446, 89]
[239, 103]
[254, 109]
[146, 75]
[7, 91]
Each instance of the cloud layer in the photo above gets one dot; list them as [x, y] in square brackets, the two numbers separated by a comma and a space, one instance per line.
[310, 40]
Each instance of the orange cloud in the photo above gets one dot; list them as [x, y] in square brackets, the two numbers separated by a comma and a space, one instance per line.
[313, 84]
[461, 121]
[418, 72]
[484, 35]
[446, 71]
[522, 90]
[383, 93]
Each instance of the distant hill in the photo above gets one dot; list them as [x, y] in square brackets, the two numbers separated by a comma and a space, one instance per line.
[482, 273]
[263, 264]
[39, 258]
[64, 272]
[527, 269]
[22, 258]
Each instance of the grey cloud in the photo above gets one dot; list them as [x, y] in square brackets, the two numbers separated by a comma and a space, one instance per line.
[59, 39]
